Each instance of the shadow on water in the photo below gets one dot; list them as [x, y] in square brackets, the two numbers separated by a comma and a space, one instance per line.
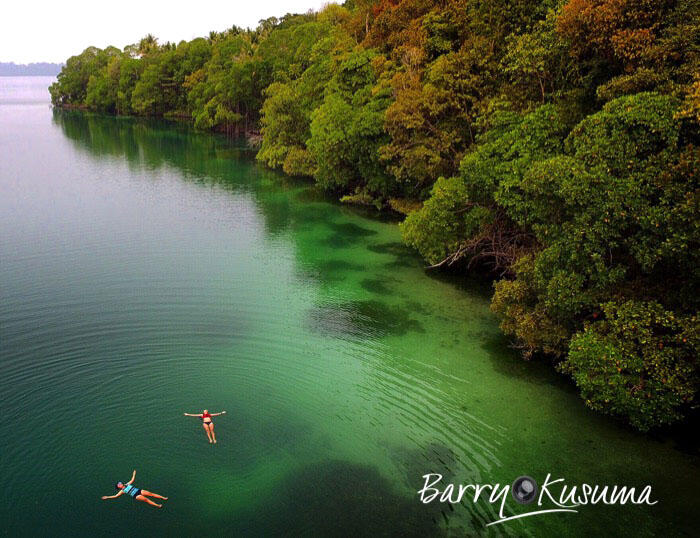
[378, 286]
[684, 437]
[346, 234]
[433, 458]
[337, 240]
[403, 256]
[327, 271]
[311, 215]
[509, 362]
[411, 262]
[419, 308]
[362, 318]
[393, 248]
[350, 229]
[309, 194]
[474, 283]
[338, 498]
[329, 266]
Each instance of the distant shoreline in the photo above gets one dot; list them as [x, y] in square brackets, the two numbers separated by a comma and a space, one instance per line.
[36, 69]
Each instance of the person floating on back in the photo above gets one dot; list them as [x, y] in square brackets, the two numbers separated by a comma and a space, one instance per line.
[207, 423]
[137, 493]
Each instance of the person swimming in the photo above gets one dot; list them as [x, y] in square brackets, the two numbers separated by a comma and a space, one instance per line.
[136, 493]
[207, 423]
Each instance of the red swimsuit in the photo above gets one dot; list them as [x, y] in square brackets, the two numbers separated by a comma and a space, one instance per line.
[206, 415]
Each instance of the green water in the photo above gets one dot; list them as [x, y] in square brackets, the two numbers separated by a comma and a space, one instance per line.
[147, 270]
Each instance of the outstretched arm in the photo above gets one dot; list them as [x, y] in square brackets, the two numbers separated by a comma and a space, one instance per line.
[105, 497]
[132, 478]
[217, 414]
[191, 415]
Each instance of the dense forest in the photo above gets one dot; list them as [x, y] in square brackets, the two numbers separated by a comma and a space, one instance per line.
[551, 143]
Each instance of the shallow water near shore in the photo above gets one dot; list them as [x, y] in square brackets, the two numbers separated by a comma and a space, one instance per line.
[147, 270]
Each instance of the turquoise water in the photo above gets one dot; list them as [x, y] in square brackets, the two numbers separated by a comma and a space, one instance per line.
[147, 270]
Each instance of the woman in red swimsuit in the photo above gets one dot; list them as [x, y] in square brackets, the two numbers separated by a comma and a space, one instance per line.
[207, 423]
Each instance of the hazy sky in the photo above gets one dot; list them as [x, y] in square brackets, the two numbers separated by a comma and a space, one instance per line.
[33, 31]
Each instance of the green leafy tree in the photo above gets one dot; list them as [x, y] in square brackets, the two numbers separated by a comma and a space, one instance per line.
[71, 85]
[639, 362]
[347, 130]
[286, 111]
[476, 215]
[616, 221]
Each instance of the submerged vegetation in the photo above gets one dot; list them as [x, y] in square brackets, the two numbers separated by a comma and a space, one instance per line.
[554, 143]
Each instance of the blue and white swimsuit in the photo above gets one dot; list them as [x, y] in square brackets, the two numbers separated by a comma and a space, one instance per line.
[132, 490]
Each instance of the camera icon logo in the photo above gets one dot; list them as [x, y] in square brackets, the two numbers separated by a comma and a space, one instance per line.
[524, 489]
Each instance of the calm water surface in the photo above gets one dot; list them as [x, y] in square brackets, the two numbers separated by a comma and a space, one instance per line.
[147, 270]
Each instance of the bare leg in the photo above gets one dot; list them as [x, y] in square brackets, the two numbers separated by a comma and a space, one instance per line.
[147, 500]
[206, 429]
[151, 494]
[211, 430]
